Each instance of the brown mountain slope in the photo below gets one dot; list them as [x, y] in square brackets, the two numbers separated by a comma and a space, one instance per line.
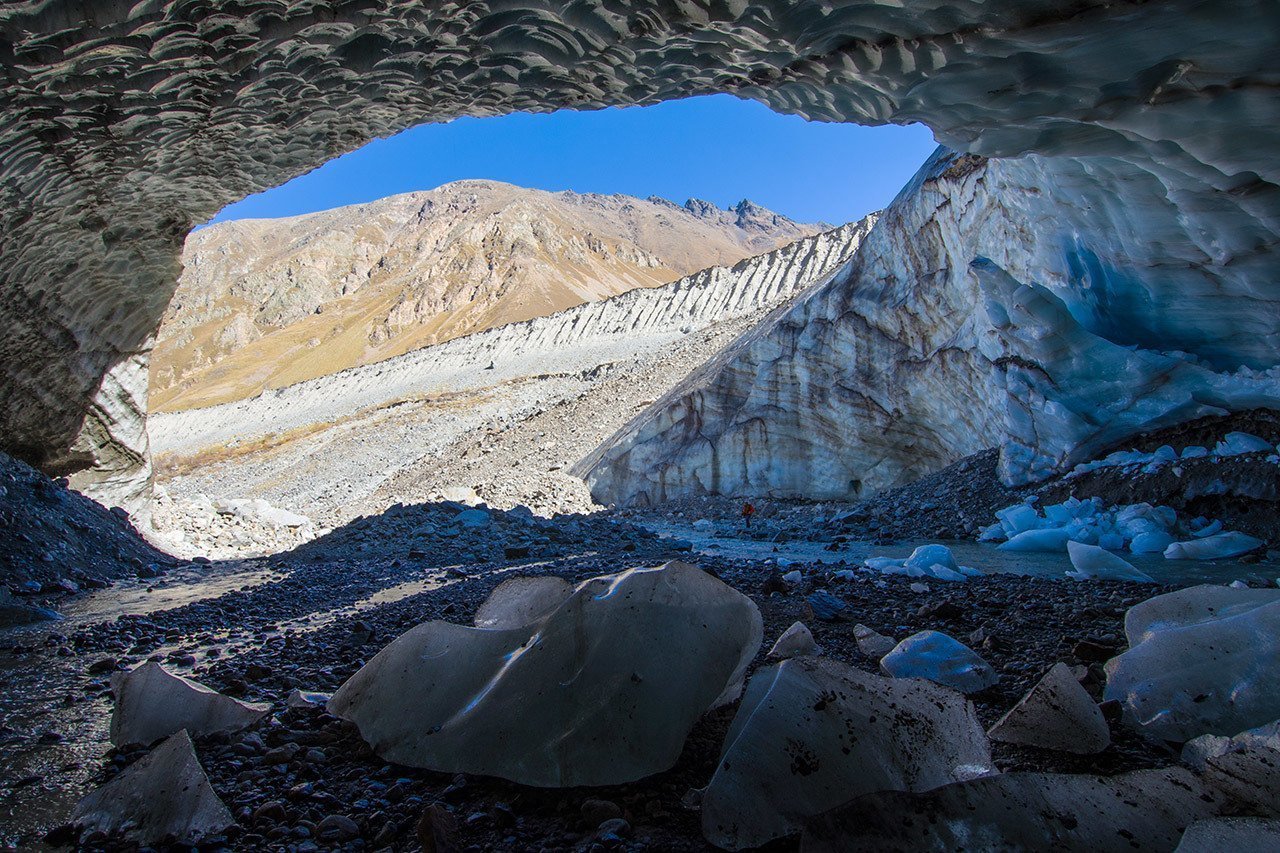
[267, 303]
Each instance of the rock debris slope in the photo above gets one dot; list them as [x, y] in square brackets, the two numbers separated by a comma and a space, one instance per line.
[268, 303]
[414, 426]
[125, 124]
[998, 303]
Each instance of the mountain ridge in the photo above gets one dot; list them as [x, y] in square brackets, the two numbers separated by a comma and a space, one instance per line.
[263, 303]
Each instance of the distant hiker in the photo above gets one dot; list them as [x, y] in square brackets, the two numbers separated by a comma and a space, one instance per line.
[747, 511]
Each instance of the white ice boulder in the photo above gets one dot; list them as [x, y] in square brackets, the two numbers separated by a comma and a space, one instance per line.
[601, 691]
[257, 509]
[941, 659]
[1056, 714]
[813, 732]
[1203, 660]
[164, 794]
[936, 561]
[1216, 547]
[926, 561]
[1240, 443]
[871, 643]
[517, 602]
[153, 703]
[1234, 834]
[1146, 810]
[1047, 539]
[796, 641]
[1094, 563]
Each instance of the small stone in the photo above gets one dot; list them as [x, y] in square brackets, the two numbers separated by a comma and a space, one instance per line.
[1087, 650]
[827, 607]
[437, 830]
[940, 610]
[614, 829]
[338, 827]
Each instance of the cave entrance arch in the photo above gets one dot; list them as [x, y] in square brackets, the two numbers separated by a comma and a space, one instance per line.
[125, 124]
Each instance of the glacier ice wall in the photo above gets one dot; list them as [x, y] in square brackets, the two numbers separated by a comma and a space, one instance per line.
[1154, 301]
[122, 124]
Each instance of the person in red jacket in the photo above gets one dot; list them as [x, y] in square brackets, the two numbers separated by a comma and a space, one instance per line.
[747, 511]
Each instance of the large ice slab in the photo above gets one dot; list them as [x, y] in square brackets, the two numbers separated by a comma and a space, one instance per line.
[1235, 834]
[1203, 660]
[1022, 811]
[812, 733]
[152, 703]
[602, 690]
[165, 793]
[1244, 768]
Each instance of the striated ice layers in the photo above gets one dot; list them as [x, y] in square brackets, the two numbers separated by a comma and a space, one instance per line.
[600, 690]
[1021, 304]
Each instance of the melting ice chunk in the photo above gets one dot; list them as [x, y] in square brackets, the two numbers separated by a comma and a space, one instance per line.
[1092, 562]
[1216, 547]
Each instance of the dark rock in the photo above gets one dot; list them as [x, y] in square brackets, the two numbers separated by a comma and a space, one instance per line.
[827, 607]
[438, 831]
[940, 610]
[1089, 651]
[338, 827]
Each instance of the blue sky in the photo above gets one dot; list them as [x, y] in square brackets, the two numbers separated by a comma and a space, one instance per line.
[717, 148]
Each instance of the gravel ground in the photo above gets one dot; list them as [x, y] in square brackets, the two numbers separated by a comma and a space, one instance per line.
[303, 780]
[311, 617]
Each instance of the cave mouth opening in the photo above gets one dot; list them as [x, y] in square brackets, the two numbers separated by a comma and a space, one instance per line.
[402, 297]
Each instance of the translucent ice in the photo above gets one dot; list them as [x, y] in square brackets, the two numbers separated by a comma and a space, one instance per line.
[1216, 547]
[812, 732]
[164, 794]
[939, 658]
[1147, 810]
[1093, 562]
[1203, 660]
[1239, 443]
[1057, 714]
[600, 691]
[153, 703]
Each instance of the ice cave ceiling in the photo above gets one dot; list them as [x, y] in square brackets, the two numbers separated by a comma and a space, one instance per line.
[124, 123]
